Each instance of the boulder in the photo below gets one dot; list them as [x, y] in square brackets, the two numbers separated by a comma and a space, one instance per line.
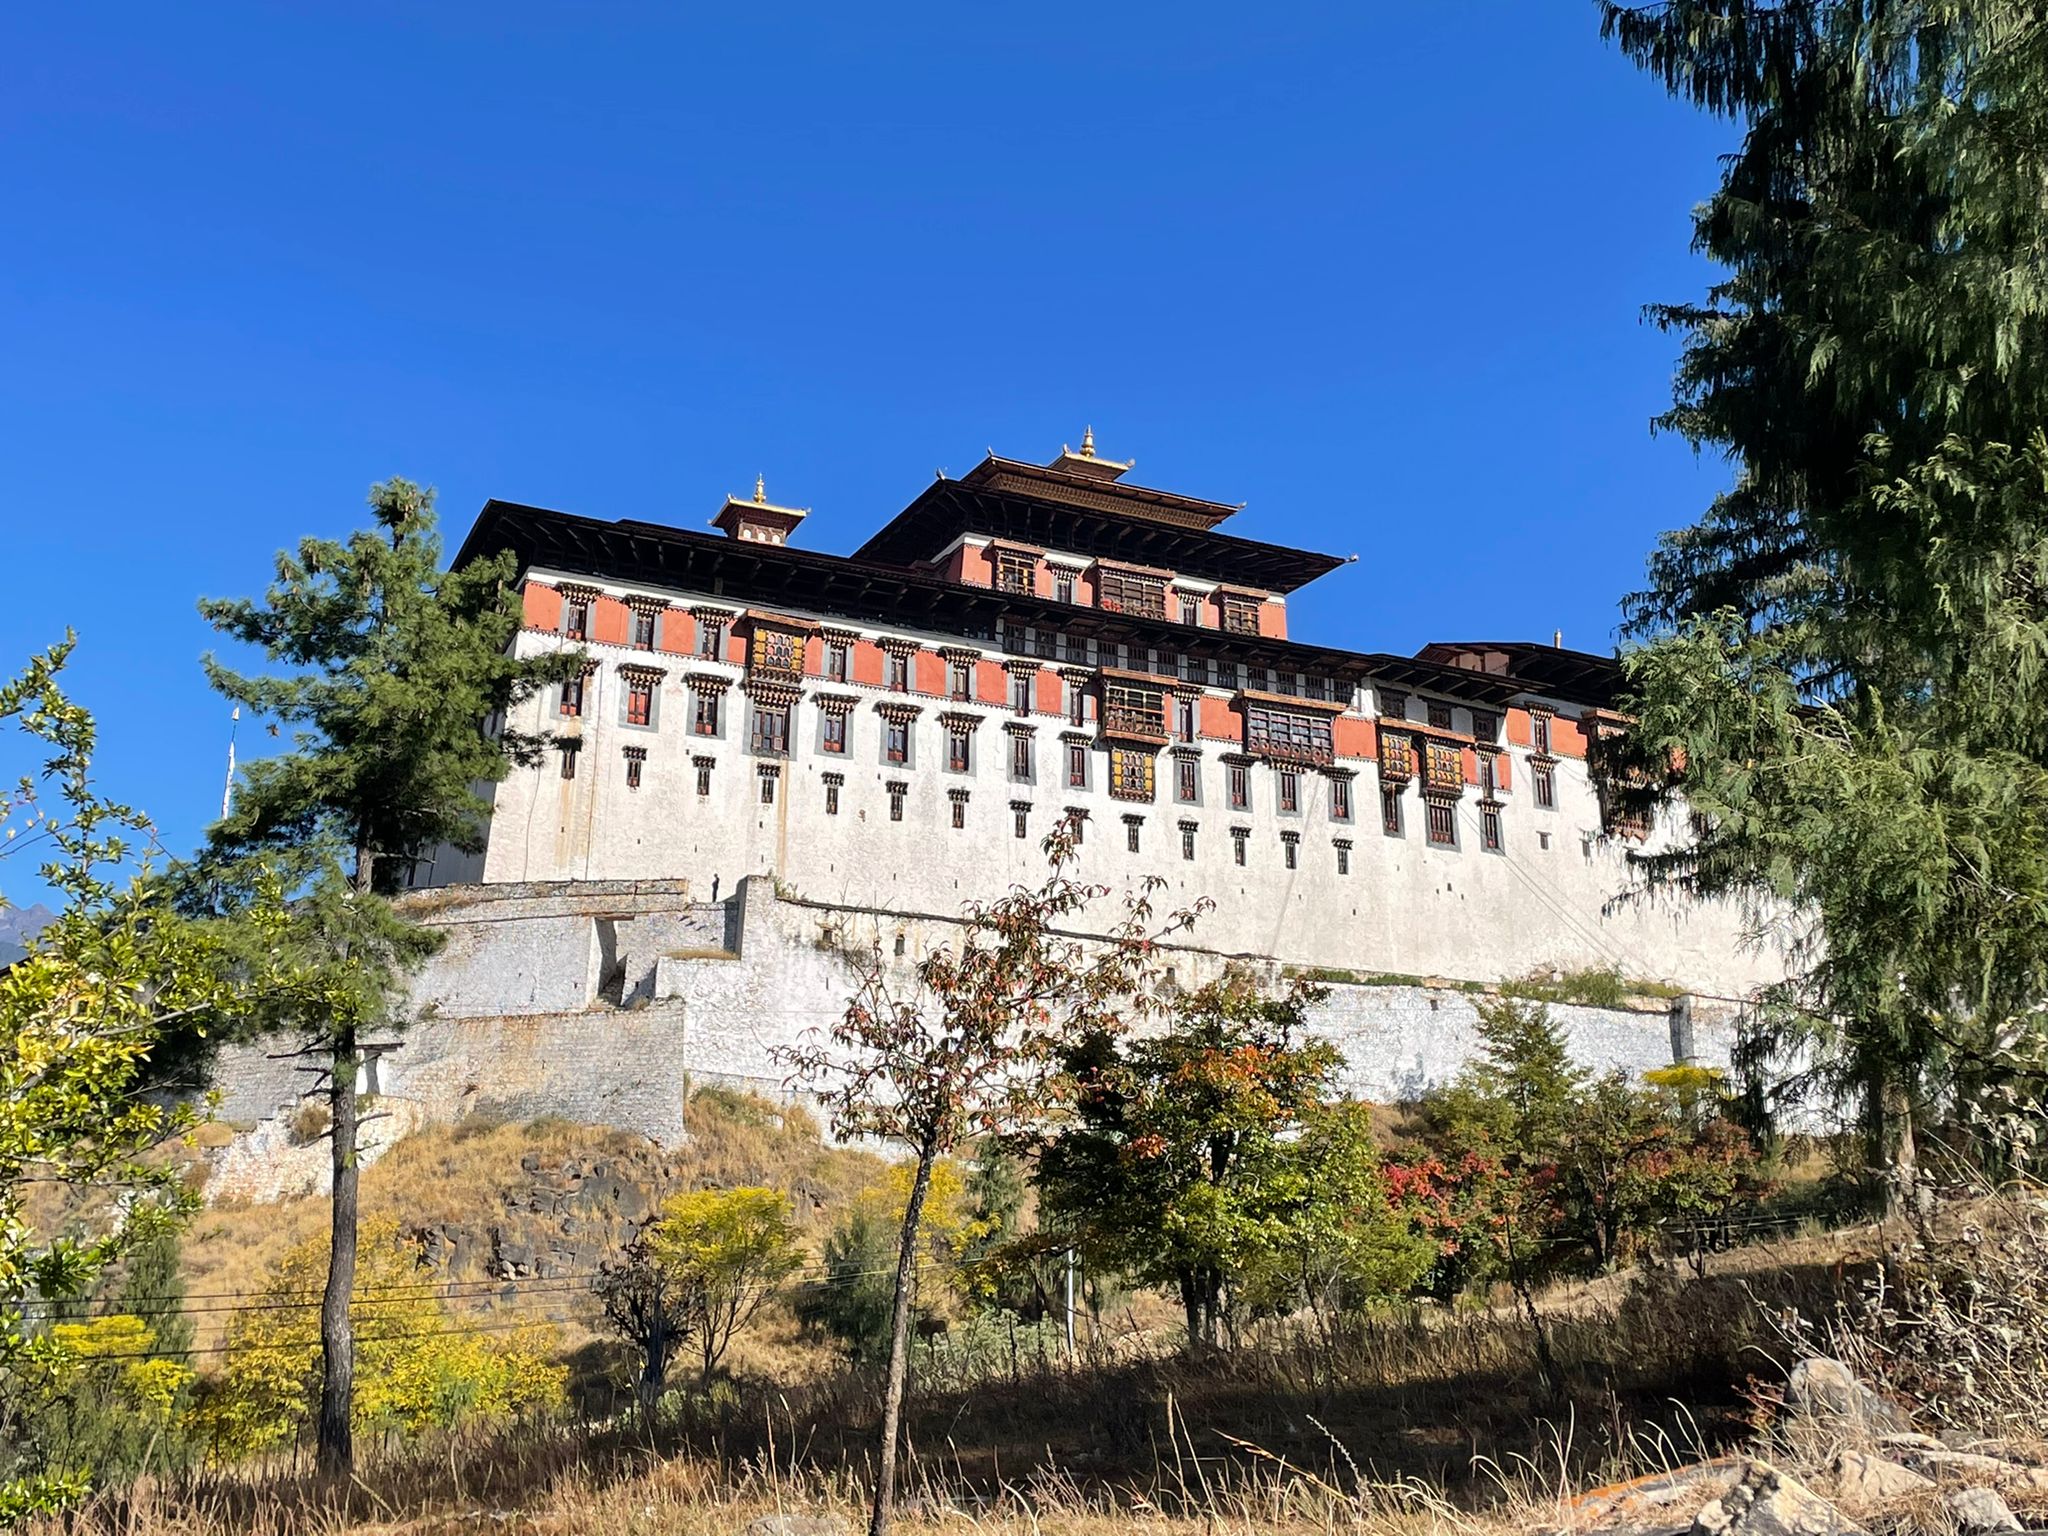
[1980, 1509]
[1824, 1389]
[1765, 1502]
[1861, 1479]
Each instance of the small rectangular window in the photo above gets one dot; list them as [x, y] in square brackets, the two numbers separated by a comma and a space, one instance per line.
[704, 714]
[831, 794]
[639, 700]
[570, 752]
[1240, 616]
[710, 638]
[1485, 728]
[1020, 758]
[1343, 858]
[1020, 812]
[1489, 827]
[1190, 608]
[956, 749]
[896, 793]
[1187, 774]
[1077, 822]
[1077, 766]
[1020, 692]
[1131, 826]
[1290, 789]
[1240, 787]
[1077, 702]
[832, 736]
[576, 618]
[959, 813]
[899, 672]
[1187, 840]
[1390, 809]
[1184, 719]
[643, 629]
[1544, 776]
[703, 777]
[1239, 836]
[635, 757]
[1290, 848]
[572, 697]
[1443, 831]
[960, 679]
[1539, 733]
[896, 741]
[767, 789]
[1340, 799]
[1062, 586]
[1440, 716]
[835, 662]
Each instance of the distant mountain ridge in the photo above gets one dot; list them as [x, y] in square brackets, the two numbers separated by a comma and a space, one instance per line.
[17, 926]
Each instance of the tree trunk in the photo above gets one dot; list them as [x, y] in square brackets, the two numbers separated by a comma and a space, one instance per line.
[899, 1343]
[337, 1338]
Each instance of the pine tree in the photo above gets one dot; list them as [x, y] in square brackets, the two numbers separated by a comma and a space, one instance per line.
[1846, 667]
[400, 669]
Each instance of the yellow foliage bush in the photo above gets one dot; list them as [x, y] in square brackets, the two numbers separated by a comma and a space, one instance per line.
[418, 1367]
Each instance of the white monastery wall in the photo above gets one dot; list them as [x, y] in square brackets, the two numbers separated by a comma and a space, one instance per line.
[1556, 895]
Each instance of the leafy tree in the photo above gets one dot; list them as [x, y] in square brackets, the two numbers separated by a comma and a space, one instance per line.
[1210, 1155]
[1845, 671]
[400, 668]
[729, 1252]
[1519, 1095]
[420, 1367]
[968, 1042]
[80, 1017]
[854, 1299]
[645, 1304]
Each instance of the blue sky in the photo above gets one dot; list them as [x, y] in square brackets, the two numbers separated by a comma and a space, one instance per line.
[1374, 270]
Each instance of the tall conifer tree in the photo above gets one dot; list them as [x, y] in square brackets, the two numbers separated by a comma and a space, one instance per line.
[400, 668]
[1846, 667]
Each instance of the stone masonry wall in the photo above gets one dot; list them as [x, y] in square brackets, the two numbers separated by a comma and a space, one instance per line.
[605, 1002]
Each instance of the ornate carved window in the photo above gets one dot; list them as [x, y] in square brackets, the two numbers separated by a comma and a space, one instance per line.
[1393, 704]
[1133, 709]
[1187, 839]
[646, 618]
[1287, 735]
[1122, 591]
[578, 603]
[1240, 776]
[1343, 856]
[1397, 756]
[1062, 586]
[1239, 838]
[1187, 779]
[1190, 609]
[1439, 716]
[1443, 769]
[1015, 572]
[833, 781]
[777, 652]
[1543, 778]
[1290, 789]
[1489, 828]
[1131, 773]
[710, 635]
[1539, 732]
[1132, 826]
[636, 758]
[639, 699]
[1240, 616]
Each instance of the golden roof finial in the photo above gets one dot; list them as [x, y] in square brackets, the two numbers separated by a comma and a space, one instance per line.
[761, 490]
[1087, 442]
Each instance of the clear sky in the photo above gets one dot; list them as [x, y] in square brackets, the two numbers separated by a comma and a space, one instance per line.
[1374, 270]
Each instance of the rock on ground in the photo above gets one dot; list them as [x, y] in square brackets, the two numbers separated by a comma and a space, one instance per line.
[1861, 1478]
[1820, 1388]
[1765, 1502]
[1980, 1509]
[800, 1525]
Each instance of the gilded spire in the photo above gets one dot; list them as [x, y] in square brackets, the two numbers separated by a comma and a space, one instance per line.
[760, 490]
[1087, 442]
